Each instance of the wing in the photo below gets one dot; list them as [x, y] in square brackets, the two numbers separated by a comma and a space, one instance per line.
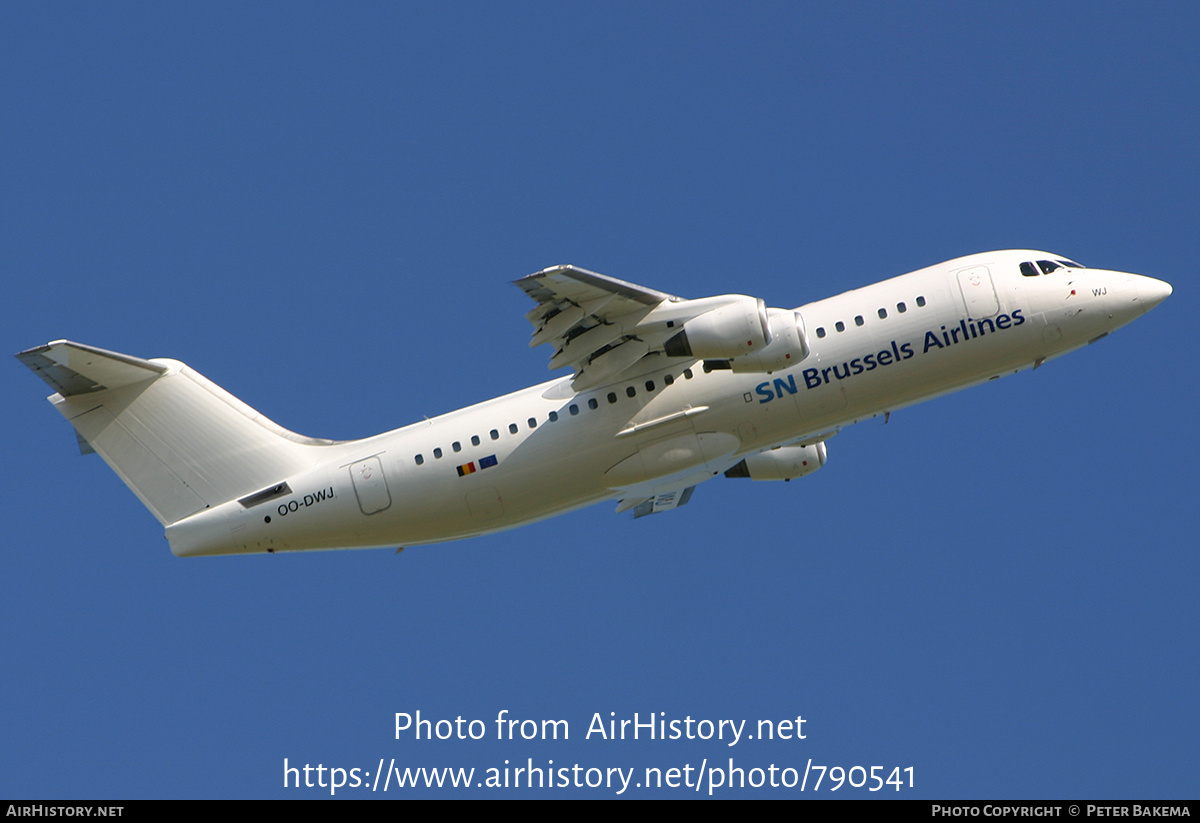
[602, 327]
[591, 321]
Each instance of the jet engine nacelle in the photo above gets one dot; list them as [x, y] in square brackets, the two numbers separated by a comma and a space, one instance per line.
[783, 463]
[733, 330]
[788, 346]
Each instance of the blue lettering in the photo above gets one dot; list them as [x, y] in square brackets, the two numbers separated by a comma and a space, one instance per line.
[930, 341]
[789, 384]
[812, 378]
[763, 390]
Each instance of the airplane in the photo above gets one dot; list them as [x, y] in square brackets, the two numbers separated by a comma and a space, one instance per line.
[665, 393]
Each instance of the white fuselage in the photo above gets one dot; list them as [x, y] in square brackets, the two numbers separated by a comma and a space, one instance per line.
[546, 450]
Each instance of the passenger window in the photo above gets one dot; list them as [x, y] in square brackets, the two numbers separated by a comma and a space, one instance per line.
[883, 314]
[858, 321]
[532, 423]
[840, 326]
[631, 391]
[592, 404]
[553, 417]
[474, 440]
[687, 373]
[612, 397]
[900, 307]
[495, 435]
[456, 446]
[420, 459]
[649, 385]
[512, 428]
[573, 409]
[437, 454]
[820, 331]
[669, 379]
[1028, 270]
[920, 302]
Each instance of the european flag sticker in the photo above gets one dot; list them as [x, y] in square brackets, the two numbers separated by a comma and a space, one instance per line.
[487, 462]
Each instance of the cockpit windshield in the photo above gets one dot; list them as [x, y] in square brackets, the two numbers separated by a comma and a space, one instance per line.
[1047, 266]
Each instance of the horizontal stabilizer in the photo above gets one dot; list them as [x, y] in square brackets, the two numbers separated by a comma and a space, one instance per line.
[73, 368]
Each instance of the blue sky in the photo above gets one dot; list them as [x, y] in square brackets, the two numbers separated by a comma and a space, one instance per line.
[320, 208]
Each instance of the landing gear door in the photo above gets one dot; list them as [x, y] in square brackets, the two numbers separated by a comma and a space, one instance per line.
[370, 485]
[979, 294]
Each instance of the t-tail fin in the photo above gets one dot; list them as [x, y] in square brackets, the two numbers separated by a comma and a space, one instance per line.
[179, 441]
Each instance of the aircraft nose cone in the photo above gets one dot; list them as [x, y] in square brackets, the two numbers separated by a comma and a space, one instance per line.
[1151, 292]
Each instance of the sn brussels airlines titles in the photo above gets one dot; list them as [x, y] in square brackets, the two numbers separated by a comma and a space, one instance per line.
[897, 352]
[664, 393]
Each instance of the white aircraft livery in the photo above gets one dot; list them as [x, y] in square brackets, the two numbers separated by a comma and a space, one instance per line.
[665, 394]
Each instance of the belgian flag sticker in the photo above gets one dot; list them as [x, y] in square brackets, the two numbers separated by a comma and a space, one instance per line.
[471, 468]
